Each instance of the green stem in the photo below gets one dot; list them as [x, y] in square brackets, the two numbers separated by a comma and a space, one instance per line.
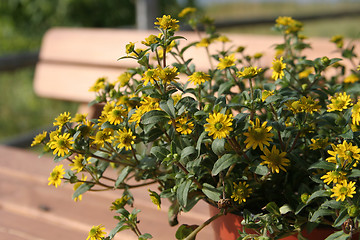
[199, 228]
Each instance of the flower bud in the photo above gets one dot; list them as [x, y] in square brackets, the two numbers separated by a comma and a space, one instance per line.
[304, 197]
[353, 211]
[325, 61]
[208, 107]
[217, 108]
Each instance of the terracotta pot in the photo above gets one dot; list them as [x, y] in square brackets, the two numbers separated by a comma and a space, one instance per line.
[226, 228]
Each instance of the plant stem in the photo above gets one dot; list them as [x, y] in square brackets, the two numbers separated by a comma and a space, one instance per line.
[199, 228]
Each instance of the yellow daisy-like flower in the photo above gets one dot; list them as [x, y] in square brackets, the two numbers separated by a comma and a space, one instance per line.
[339, 102]
[355, 114]
[319, 143]
[343, 190]
[77, 185]
[249, 72]
[130, 47]
[124, 78]
[241, 192]
[186, 11]
[61, 144]
[219, 125]
[167, 23]
[226, 62]
[199, 77]
[167, 75]
[265, 94]
[294, 106]
[102, 136]
[184, 126]
[278, 67]
[119, 203]
[117, 115]
[345, 152]
[334, 176]
[258, 55]
[56, 175]
[79, 117]
[306, 73]
[204, 42]
[258, 135]
[98, 85]
[309, 105]
[275, 160]
[39, 138]
[150, 40]
[136, 116]
[155, 198]
[358, 68]
[176, 98]
[284, 20]
[338, 40]
[78, 163]
[149, 103]
[62, 119]
[150, 76]
[96, 233]
[352, 78]
[223, 39]
[124, 138]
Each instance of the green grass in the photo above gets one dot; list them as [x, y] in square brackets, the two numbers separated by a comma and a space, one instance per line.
[21, 109]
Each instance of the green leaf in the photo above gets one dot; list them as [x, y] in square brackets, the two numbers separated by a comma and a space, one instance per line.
[183, 191]
[154, 116]
[211, 192]
[199, 142]
[285, 209]
[218, 146]
[59, 158]
[323, 165]
[118, 228]
[340, 235]
[273, 208]
[355, 173]
[222, 163]
[82, 189]
[187, 152]
[145, 236]
[184, 231]
[159, 152]
[343, 216]
[320, 213]
[319, 193]
[168, 107]
[123, 175]
[225, 87]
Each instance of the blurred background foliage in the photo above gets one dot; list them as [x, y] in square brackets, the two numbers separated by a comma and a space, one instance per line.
[24, 22]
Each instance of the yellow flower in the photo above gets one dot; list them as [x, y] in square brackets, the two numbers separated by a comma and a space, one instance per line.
[116, 115]
[62, 119]
[77, 185]
[346, 153]
[306, 73]
[278, 66]
[96, 233]
[338, 40]
[56, 175]
[258, 55]
[249, 72]
[352, 78]
[186, 11]
[176, 98]
[119, 203]
[258, 135]
[199, 78]
[223, 39]
[219, 125]
[167, 23]
[284, 20]
[130, 47]
[289, 24]
[124, 139]
[204, 42]
[334, 176]
[79, 117]
[150, 40]
[358, 68]
[265, 94]
[184, 126]
[226, 62]
[39, 138]
[148, 104]
[124, 78]
[275, 160]
[150, 76]
[167, 75]
[98, 85]
[155, 198]
[339, 102]
[61, 144]
[309, 105]
[102, 136]
[319, 143]
[355, 114]
[136, 116]
[343, 190]
[294, 106]
[79, 163]
[241, 191]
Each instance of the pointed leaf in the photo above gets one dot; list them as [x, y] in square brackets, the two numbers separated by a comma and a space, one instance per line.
[222, 163]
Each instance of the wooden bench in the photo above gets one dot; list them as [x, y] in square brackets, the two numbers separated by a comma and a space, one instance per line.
[71, 59]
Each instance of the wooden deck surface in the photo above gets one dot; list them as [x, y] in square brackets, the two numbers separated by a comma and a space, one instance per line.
[32, 210]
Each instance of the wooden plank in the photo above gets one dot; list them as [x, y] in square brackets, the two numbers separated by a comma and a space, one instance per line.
[24, 195]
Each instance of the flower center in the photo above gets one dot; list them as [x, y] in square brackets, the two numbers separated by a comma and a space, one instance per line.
[343, 190]
[218, 125]
[61, 143]
[55, 175]
[258, 133]
[277, 67]
[349, 153]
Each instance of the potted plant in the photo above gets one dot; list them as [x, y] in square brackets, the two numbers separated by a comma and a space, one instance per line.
[276, 145]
